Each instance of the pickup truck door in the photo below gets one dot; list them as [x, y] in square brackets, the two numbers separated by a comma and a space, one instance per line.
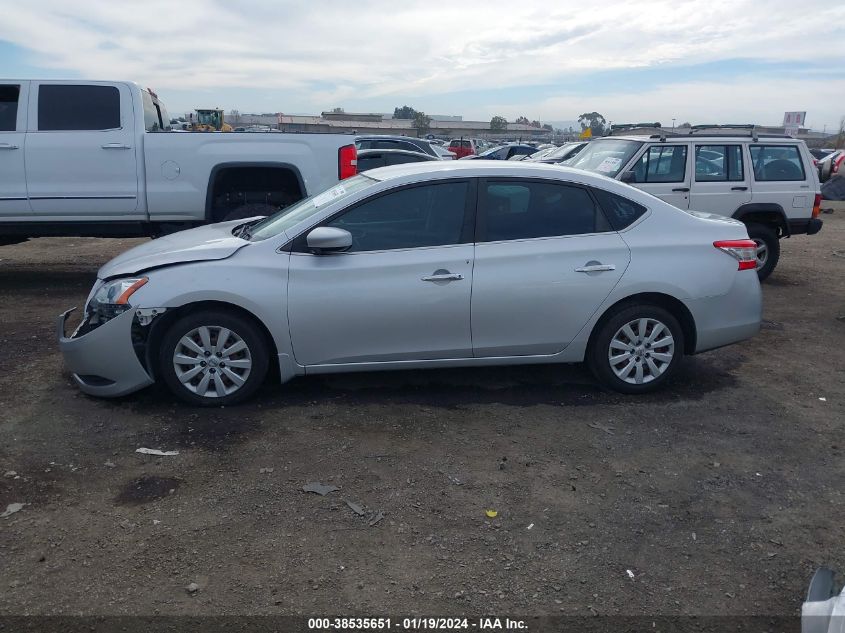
[80, 151]
[13, 200]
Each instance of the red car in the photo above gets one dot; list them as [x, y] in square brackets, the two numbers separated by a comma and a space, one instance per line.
[463, 147]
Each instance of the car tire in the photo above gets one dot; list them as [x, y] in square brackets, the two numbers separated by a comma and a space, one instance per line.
[768, 248]
[651, 365]
[212, 377]
[250, 211]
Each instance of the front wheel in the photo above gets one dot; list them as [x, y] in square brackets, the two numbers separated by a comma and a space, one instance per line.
[768, 248]
[637, 349]
[213, 358]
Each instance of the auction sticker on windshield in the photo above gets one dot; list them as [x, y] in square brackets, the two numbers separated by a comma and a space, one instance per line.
[609, 164]
[328, 196]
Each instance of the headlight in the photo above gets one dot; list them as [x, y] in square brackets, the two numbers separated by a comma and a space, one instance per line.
[112, 299]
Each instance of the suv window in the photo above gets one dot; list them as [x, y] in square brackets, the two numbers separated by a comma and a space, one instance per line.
[414, 217]
[460, 144]
[63, 107]
[662, 163]
[518, 210]
[9, 95]
[620, 211]
[718, 163]
[776, 162]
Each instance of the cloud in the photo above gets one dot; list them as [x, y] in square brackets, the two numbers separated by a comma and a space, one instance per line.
[379, 50]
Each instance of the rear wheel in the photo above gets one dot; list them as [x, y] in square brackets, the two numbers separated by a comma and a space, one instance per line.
[213, 358]
[768, 248]
[637, 349]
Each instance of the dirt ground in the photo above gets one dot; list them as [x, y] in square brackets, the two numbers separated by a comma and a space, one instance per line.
[721, 494]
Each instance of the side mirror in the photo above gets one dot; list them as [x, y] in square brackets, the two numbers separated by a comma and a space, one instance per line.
[628, 176]
[328, 239]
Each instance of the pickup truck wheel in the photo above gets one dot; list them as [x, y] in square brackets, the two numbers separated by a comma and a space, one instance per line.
[213, 358]
[250, 211]
[637, 348]
[768, 248]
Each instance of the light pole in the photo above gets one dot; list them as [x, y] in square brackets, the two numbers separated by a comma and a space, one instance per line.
[673, 125]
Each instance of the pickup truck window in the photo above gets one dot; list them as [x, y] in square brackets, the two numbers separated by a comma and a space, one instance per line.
[152, 115]
[70, 107]
[9, 107]
[291, 216]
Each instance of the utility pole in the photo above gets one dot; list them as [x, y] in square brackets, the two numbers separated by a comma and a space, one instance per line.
[673, 125]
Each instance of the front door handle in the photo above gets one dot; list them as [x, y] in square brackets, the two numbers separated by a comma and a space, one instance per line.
[8, 146]
[115, 146]
[595, 268]
[684, 189]
[443, 276]
[739, 188]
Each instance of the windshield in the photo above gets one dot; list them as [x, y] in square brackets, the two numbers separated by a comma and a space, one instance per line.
[606, 157]
[491, 151]
[290, 216]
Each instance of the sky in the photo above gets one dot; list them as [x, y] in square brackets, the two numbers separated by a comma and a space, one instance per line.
[713, 61]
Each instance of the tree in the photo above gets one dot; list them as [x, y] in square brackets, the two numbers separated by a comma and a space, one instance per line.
[405, 112]
[498, 124]
[535, 124]
[685, 125]
[234, 117]
[840, 137]
[421, 122]
[548, 127]
[338, 111]
[523, 120]
[593, 120]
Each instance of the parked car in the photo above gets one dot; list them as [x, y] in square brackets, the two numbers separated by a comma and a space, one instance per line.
[463, 147]
[831, 164]
[559, 155]
[407, 143]
[374, 158]
[444, 153]
[768, 182]
[438, 264]
[97, 158]
[503, 152]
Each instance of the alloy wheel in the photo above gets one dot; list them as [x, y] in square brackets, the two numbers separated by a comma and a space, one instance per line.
[641, 351]
[212, 361]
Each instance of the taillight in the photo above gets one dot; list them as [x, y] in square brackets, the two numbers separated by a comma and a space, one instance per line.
[347, 162]
[817, 205]
[744, 251]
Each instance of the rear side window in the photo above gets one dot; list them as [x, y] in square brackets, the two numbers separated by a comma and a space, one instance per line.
[9, 95]
[69, 107]
[519, 210]
[718, 163]
[662, 163]
[776, 162]
[152, 120]
[620, 212]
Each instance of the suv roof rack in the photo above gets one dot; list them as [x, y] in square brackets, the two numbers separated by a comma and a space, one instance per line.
[751, 127]
[627, 127]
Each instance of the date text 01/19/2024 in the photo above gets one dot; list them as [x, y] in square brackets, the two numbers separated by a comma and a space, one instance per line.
[416, 624]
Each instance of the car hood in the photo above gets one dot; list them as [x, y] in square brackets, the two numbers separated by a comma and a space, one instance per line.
[214, 241]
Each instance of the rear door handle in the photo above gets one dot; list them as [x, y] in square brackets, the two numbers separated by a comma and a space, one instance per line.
[681, 189]
[595, 268]
[739, 188]
[444, 277]
[8, 146]
[115, 146]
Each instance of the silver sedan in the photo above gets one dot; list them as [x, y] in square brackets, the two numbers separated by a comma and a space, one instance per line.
[438, 264]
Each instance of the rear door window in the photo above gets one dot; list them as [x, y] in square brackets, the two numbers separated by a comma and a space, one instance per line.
[519, 210]
[718, 163]
[776, 162]
[70, 107]
[9, 96]
[662, 163]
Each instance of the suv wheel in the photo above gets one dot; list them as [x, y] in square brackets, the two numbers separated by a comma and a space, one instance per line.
[636, 349]
[768, 248]
[213, 358]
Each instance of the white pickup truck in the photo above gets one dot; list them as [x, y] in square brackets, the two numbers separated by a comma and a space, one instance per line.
[98, 158]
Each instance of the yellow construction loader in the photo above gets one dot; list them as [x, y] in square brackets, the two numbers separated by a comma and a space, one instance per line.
[210, 120]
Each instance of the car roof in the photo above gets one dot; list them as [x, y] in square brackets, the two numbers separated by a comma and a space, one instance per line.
[733, 138]
[389, 137]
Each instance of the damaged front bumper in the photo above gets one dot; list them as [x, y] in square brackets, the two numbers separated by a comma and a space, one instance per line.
[103, 360]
